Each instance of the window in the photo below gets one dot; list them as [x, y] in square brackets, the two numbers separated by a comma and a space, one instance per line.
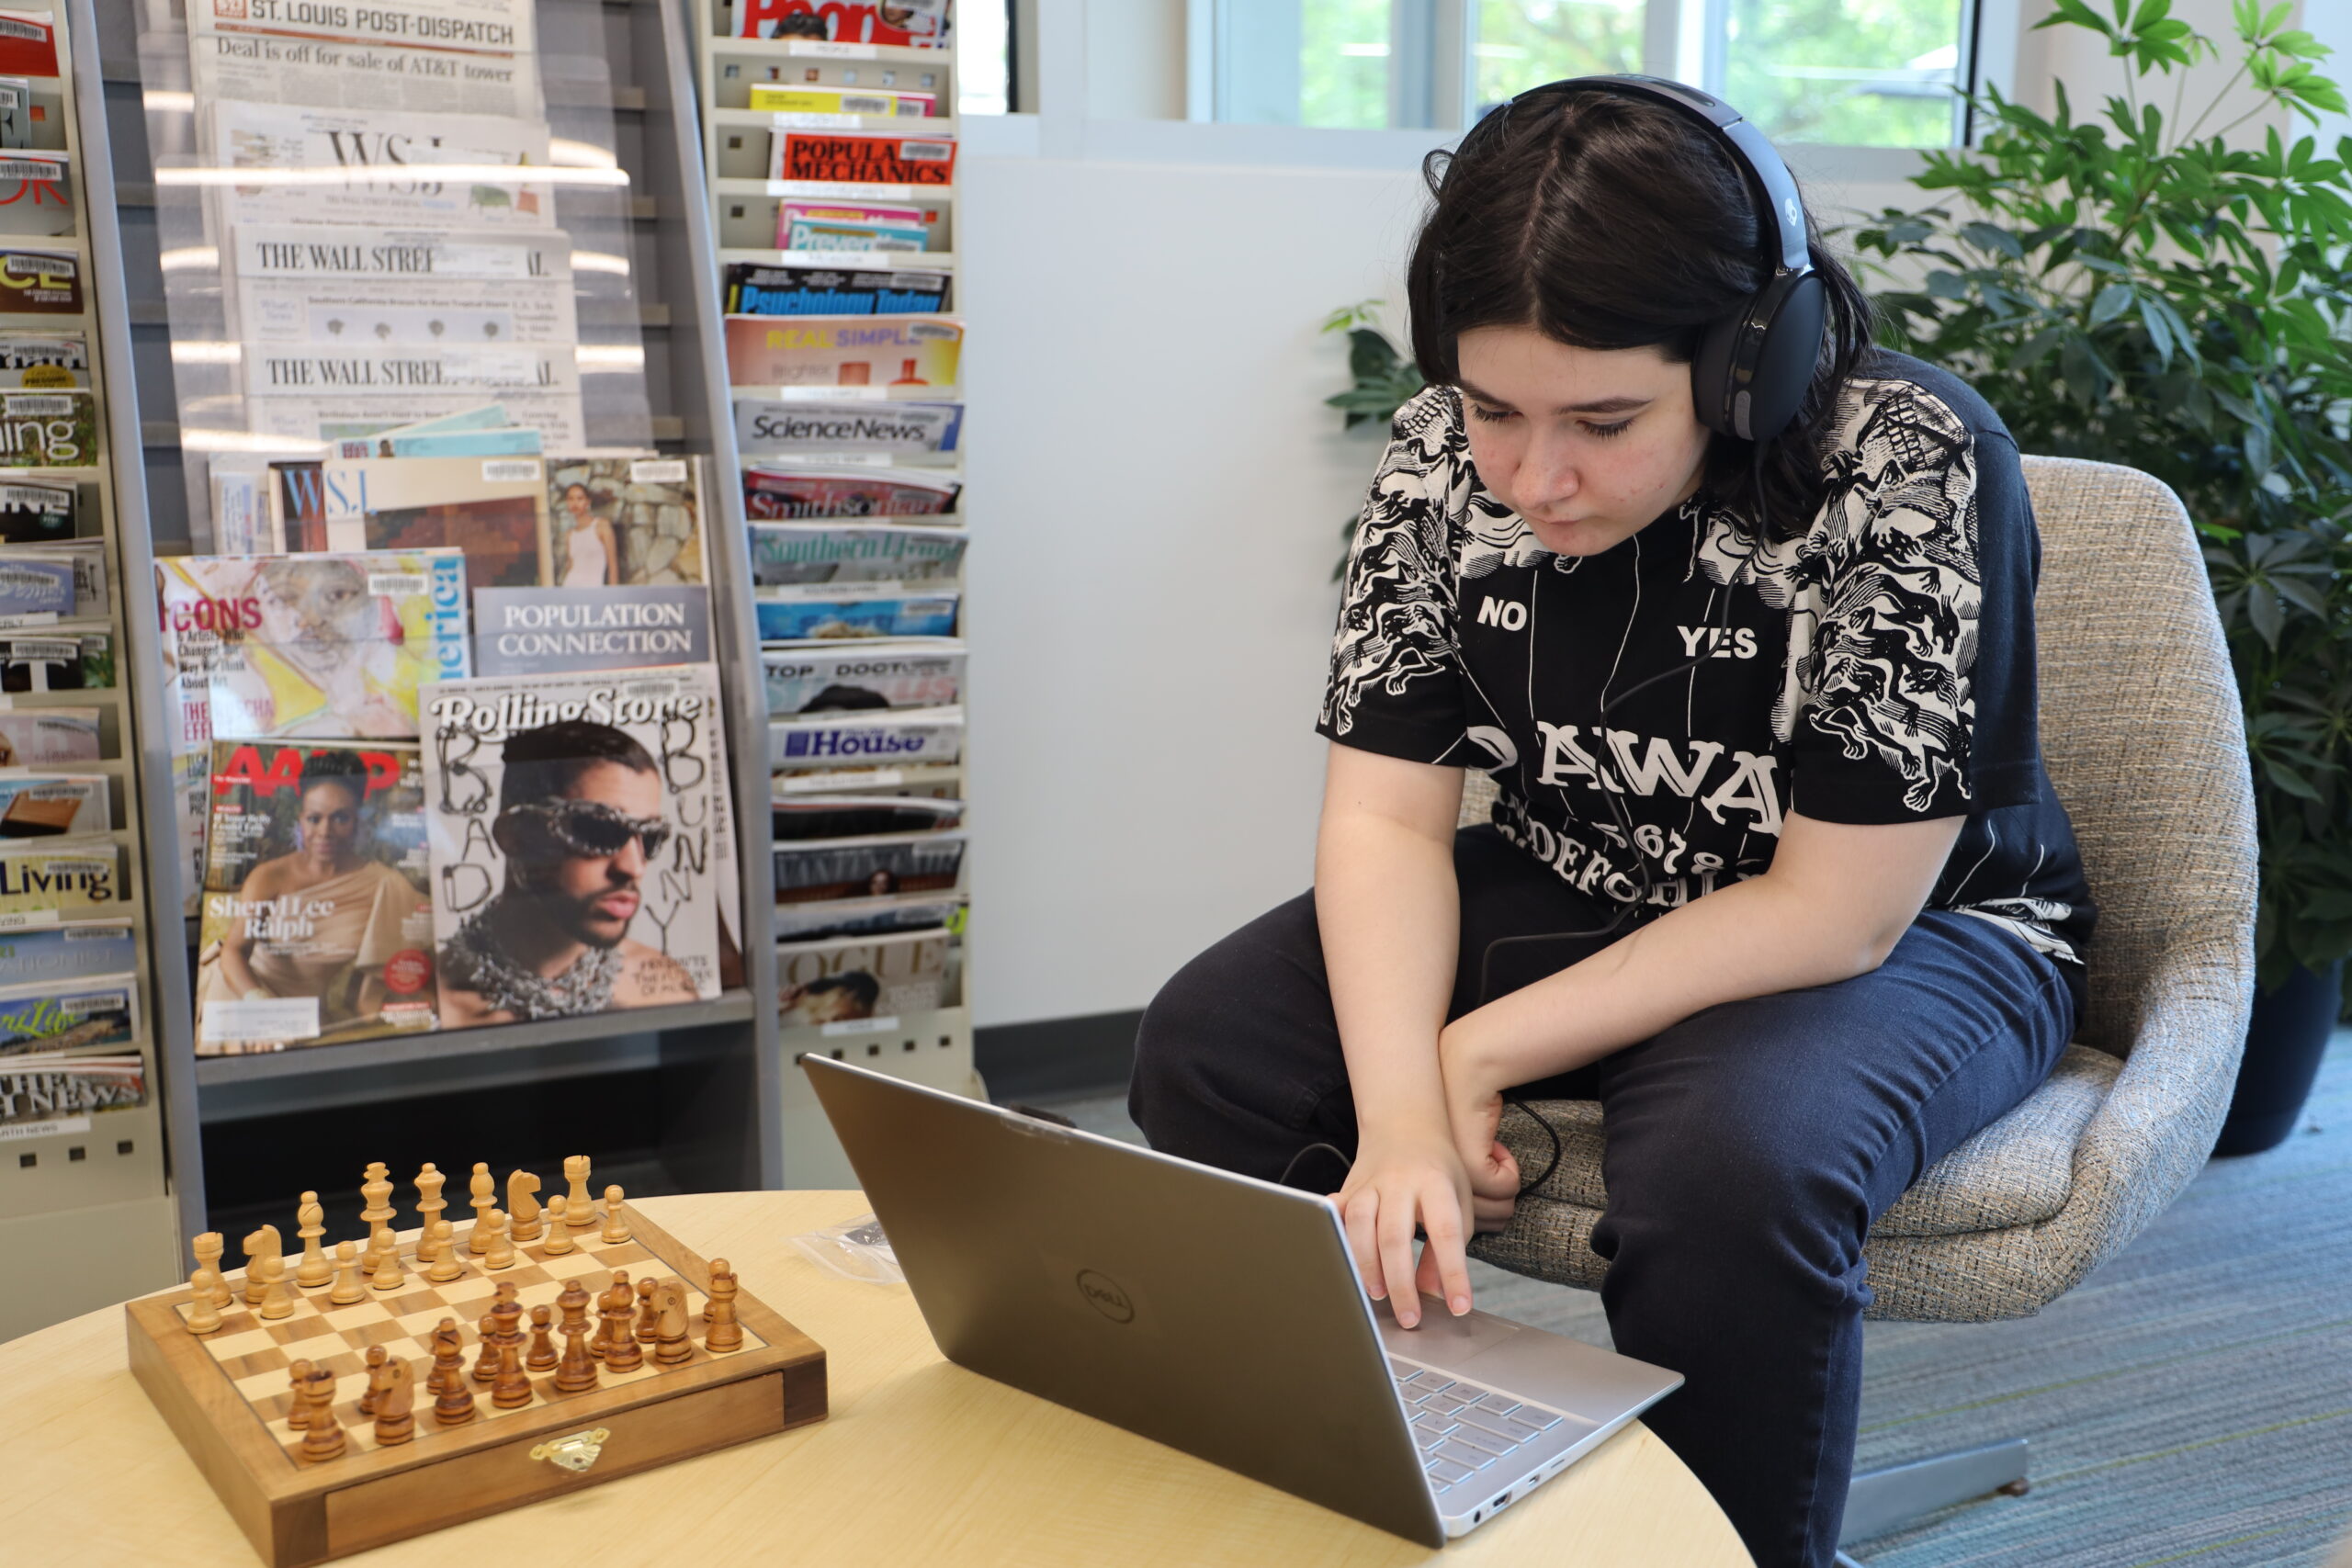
[1840, 73]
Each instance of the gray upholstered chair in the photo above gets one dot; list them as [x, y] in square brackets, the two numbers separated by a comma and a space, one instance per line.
[2142, 732]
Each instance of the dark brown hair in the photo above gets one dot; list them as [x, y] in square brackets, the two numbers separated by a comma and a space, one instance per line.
[1610, 222]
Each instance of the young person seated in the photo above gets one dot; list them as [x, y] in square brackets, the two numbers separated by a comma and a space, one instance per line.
[1776, 874]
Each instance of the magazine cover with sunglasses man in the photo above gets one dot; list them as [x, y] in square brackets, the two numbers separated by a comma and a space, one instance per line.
[317, 922]
[579, 843]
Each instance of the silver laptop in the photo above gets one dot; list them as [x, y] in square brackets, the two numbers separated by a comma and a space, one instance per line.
[1216, 1313]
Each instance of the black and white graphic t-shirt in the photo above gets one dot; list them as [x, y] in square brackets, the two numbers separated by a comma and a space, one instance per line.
[1877, 668]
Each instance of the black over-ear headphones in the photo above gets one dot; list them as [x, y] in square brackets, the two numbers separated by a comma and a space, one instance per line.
[1754, 362]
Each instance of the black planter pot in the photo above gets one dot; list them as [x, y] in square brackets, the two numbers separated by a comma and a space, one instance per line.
[2284, 1041]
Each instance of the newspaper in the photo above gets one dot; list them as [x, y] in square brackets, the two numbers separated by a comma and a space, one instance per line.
[780, 427]
[915, 736]
[788, 554]
[843, 351]
[317, 916]
[863, 676]
[924, 862]
[314, 399]
[341, 286]
[838, 980]
[392, 158]
[579, 845]
[424, 56]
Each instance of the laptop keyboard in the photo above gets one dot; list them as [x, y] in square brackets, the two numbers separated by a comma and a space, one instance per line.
[1462, 1428]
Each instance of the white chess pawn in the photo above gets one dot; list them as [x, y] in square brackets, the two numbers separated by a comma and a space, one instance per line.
[347, 1288]
[615, 1228]
[559, 1231]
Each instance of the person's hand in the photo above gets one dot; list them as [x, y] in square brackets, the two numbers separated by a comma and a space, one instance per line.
[1474, 1112]
[1399, 1181]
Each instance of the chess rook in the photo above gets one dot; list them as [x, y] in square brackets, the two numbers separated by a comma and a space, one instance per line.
[322, 1436]
[579, 1207]
[209, 1247]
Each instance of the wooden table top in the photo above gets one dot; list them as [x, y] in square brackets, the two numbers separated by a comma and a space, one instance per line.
[920, 1462]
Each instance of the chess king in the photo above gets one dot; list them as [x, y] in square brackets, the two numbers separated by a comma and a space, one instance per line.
[580, 825]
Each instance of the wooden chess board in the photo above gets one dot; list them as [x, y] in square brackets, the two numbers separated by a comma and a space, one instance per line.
[228, 1395]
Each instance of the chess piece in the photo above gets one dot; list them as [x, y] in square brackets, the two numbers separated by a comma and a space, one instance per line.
[389, 1275]
[649, 1316]
[395, 1404]
[454, 1401]
[621, 1354]
[513, 1389]
[506, 1316]
[429, 1201]
[377, 1189]
[580, 1207]
[263, 1243]
[446, 1266]
[276, 1296]
[722, 1332]
[523, 1207]
[501, 1251]
[312, 1221]
[209, 1247]
[486, 1357]
[672, 1346]
[203, 1316]
[377, 1359]
[576, 1374]
[485, 1198]
[559, 1240]
[323, 1437]
[298, 1379]
[542, 1357]
[615, 1228]
[347, 1288]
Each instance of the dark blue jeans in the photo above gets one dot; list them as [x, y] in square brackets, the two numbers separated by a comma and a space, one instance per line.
[1749, 1148]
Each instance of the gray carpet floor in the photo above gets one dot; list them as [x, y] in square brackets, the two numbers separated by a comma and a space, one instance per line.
[2189, 1403]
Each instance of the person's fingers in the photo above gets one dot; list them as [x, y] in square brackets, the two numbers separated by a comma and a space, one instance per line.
[1441, 1221]
[1492, 1213]
[1505, 1164]
[1396, 1231]
[1359, 1211]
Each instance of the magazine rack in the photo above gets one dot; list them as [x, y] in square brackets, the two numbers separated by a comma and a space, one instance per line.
[625, 72]
[932, 1047]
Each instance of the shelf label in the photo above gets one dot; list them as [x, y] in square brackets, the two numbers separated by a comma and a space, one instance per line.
[861, 261]
[853, 188]
[859, 1026]
[864, 394]
[24, 920]
[262, 1018]
[56, 1129]
[871, 778]
[820, 48]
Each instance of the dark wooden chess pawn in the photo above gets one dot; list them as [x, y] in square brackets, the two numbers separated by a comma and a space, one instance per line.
[324, 1438]
[577, 1372]
[622, 1353]
[671, 1345]
[721, 1331]
[542, 1357]
[512, 1390]
[486, 1362]
[376, 1356]
[649, 1316]
[453, 1402]
[395, 1403]
[604, 1322]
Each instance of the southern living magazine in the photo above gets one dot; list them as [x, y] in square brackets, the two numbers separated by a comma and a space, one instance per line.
[318, 922]
[579, 840]
[843, 351]
[836, 979]
[788, 554]
[264, 647]
[46, 880]
[622, 523]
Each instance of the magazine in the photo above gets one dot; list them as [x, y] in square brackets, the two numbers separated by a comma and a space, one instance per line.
[825, 613]
[913, 737]
[37, 282]
[842, 351]
[845, 226]
[779, 98]
[789, 554]
[44, 737]
[926, 862]
[78, 566]
[56, 1088]
[538, 631]
[55, 956]
[43, 361]
[317, 911]
[842, 157]
[777, 426]
[850, 917]
[837, 979]
[36, 194]
[778, 495]
[615, 522]
[390, 156]
[34, 513]
[83, 1017]
[863, 676]
[332, 647]
[862, 815]
[579, 841]
[492, 509]
[49, 429]
[919, 24]
[753, 288]
[53, 806]
[62, 661]
[28, 43]
[45, 882]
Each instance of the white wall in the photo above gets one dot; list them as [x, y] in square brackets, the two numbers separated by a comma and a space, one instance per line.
[1157, 493]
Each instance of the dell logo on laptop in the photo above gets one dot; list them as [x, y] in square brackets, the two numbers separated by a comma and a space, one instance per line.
[1106, 1297]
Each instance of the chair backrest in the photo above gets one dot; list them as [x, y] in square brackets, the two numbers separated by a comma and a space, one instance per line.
[2140, 728]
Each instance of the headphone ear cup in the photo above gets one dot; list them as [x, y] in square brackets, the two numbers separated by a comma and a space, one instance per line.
[1753, 366]
[1711, 370]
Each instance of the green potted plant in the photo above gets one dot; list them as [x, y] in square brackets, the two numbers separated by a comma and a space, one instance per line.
[2133, 288]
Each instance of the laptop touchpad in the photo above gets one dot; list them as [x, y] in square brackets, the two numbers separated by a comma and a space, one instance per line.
[1442, 1337]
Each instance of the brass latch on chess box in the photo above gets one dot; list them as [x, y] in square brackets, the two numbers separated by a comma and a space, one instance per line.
[575, 1452]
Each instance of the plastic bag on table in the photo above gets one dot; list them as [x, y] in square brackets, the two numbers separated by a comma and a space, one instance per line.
[855, 1250]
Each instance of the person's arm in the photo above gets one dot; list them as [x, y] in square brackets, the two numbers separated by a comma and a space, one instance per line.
[236, 942]
[1832, 906]
[612, 553]
[1389, 911]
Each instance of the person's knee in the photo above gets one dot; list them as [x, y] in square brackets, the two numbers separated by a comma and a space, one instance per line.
[1171, 1046]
